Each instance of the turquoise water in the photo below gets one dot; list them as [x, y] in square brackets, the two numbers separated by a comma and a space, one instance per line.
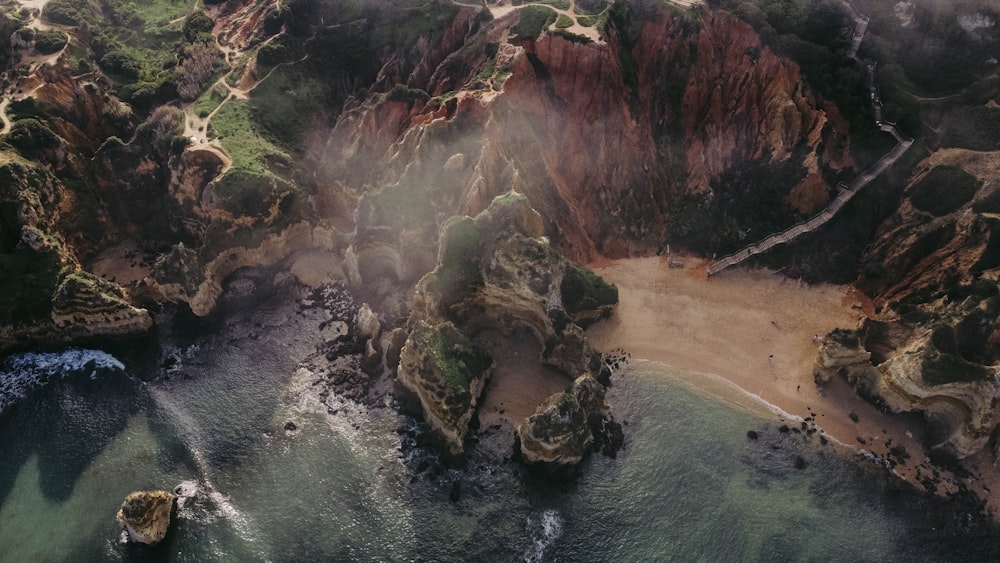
[689, 485]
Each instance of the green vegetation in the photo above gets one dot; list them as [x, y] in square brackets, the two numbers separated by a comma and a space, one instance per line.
[532, 20]
[591, 7]
[972, 127]
[210, 100]
[563, 21]
[939, 368]
[944, 190]
[457, 269]
[557, 4]
[290, 103]
[749, 204]
[50, 41]
[600, 21]
[251, 186]
[30, 135]
[138, 44]
[27, 280]
[584, 290]
[234, 126]
[455, 358]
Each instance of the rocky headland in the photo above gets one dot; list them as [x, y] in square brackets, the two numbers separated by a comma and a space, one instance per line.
[447, 166]
[498, 272]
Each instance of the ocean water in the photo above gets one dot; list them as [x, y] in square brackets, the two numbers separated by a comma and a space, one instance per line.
[689, 485]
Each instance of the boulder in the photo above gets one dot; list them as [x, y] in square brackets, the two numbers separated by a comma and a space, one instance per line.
[146, 515]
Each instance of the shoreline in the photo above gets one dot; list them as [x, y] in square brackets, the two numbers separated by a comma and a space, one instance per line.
[750, 334]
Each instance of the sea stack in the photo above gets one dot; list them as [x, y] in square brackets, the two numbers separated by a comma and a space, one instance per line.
[146, 515]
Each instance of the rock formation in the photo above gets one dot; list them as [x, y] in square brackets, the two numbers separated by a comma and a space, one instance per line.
[447, 373]
[558, 435]
[497, 272]
[146, 515]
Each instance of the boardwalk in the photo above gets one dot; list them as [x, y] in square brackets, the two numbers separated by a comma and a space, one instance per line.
[846, 191]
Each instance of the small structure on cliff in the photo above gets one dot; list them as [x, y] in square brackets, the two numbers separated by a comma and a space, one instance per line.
[497, 272]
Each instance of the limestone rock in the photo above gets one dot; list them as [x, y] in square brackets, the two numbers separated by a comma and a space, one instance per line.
[557, 434]
[959, 412]
[146, 515]
[397, 338]
[445, 373]
[497, 271]
[366, 324]
[842, 353]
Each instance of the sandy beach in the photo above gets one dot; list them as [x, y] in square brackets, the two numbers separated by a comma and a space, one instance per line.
[747, 337]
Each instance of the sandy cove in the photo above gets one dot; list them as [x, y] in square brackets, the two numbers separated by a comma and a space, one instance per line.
[755, 330]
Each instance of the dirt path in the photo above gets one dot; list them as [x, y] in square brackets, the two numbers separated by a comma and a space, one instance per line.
[3, 116]
[500, 11]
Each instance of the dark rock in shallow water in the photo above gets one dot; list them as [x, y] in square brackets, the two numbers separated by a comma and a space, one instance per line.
[456, 491]
[608, 434]
[823, 440]
[751, 434]
[291, 426]
[783, 429]
[800, 462]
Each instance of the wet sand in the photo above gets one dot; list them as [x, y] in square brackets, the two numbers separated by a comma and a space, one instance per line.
[519, 382]
[747, 337]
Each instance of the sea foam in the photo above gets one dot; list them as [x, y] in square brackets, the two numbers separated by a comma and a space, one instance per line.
[20, 374]
[543, 537]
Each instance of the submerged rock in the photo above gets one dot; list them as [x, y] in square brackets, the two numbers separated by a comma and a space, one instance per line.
[146, 515]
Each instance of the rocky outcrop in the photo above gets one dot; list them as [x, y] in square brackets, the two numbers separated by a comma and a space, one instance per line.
[920, 373]
[931, 271]
[90, 306]
[446, 373]
[496, 272]
[146, 515]
[558, 434]
[956, 398]
[842, 354]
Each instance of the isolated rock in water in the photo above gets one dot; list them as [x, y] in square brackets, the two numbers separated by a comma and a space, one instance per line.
[446, 373]
[557, 434]
[146, 515]
[366, 324]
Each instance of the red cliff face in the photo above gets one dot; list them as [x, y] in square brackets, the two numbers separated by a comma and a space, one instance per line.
[601, 137]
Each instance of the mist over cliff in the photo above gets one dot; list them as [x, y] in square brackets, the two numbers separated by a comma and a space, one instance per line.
[149, 154]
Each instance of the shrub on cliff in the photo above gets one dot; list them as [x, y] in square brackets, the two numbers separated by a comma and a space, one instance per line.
[532, 20]
[582, 289]
[50, 41]
[197, 23]
[29, 135]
